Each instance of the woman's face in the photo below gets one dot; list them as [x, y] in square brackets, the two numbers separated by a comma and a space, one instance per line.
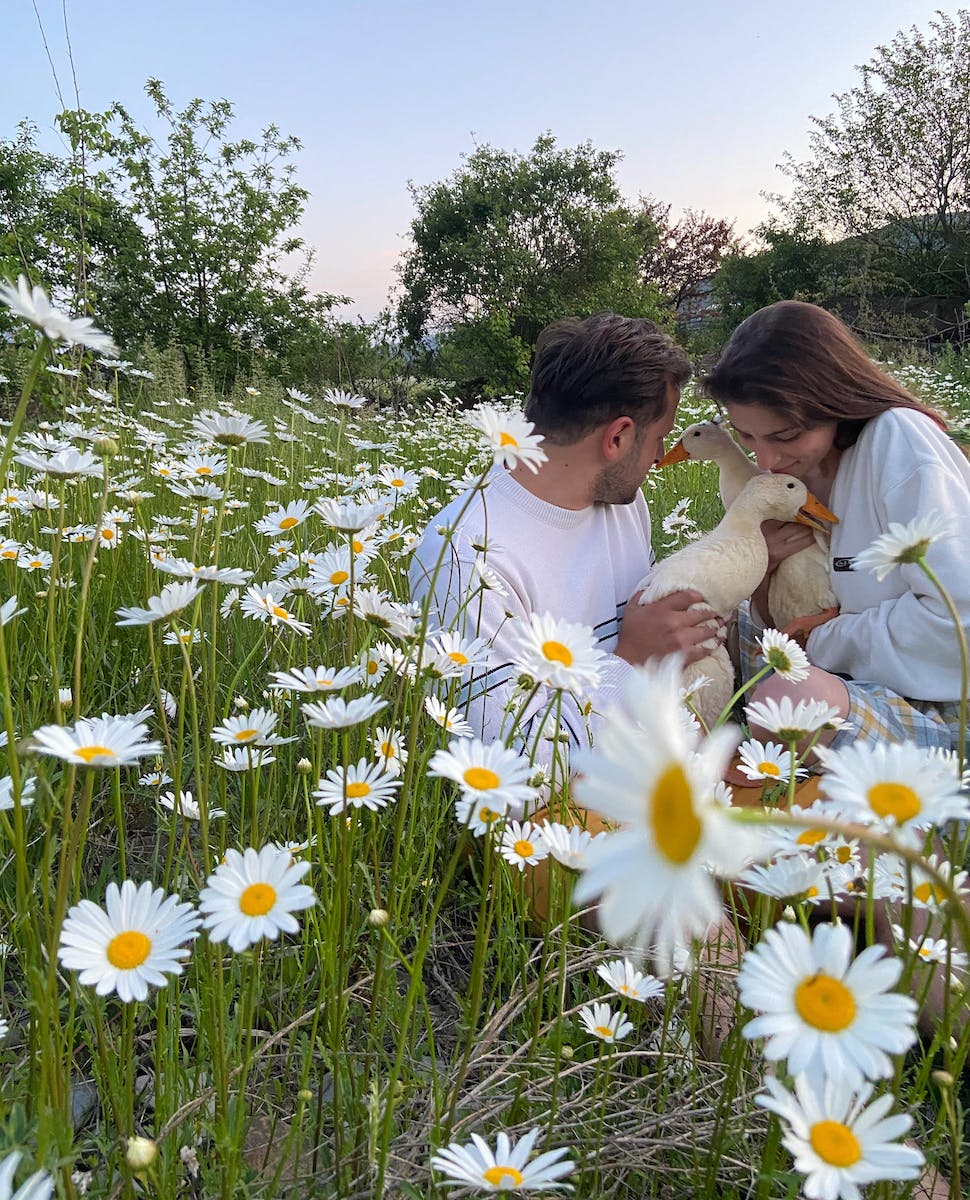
[778, 445]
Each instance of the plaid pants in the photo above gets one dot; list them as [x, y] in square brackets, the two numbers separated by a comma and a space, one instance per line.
[876, 713]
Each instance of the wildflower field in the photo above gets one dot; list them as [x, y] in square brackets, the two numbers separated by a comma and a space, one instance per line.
[269, 924]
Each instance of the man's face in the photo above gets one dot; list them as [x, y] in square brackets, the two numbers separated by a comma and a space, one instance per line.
[620, 481]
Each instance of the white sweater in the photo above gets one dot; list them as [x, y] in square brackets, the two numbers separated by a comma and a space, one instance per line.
[898, 632]
[580, 565]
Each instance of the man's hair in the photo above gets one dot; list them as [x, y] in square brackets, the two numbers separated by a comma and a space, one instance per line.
[589, 371]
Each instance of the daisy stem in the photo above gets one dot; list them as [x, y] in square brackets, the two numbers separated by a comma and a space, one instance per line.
[41, 351]
[964, 671]
[13, 762]
[85, 586]
[745, 687]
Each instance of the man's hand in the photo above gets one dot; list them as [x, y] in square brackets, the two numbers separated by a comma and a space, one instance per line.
[667, 626]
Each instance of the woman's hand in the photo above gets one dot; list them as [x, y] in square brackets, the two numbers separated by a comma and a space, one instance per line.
[783, 539]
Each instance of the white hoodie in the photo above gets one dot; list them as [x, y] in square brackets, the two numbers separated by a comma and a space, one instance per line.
[898, 632]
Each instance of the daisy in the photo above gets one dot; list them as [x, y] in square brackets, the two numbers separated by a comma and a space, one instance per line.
[366, 785]
[506, 1170]
[39, 1186]
[449, 719]
[201, 490]
[207, 573]
[344, 399]
[766, 760]
[823, 1010]
[522, 844]
[793, 722]
[399, 481]
[66, 463]
[244, 758]
[452, 656]
[489, 773]
[253, 728]
[391, 752]
[282, 520]
[605, 1024]
[837, 1142]
[622, 977]
[557, 653]
[253, 895]
[136, 940]
[892, 882]
[204, 466]
[799, 879]
[569, 844]
[784, 655]
[32, 304]
[315, 679]
[902, 544]
[510, 436]
[186, 806]
[348, 517]
[236, 430]
[376, 609]
[9, 610]
[654, 875]
[27, 787]
[97, 741]
[340, 714]
[895, 786]
[174, 597]
[262, 602]
[478, 815]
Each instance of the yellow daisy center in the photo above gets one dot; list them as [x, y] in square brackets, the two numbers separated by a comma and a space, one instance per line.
[895, 800]
[288, 522]
[835, 1143]
[481, 778]
[357, 545]
[924, 951]
[245, 735]
[397, 483]
[811, 837]
[107, 534]
[506, 439]
[129, 949]
[523, 848]
[497, 1175]
[844, 854]
[676, 826]
[371, 667]
[557, 652]
[925, 892]
[825, 1003]
[387, 750]
[90, 753]
[357, 791]
[10, 554]
[203, 470]
[281, 613]
[811, 893]
[456, 656]
[625, 989]
[769, 768]
[488, 815]
[257, 899]
[604, 1031]
[339, 577]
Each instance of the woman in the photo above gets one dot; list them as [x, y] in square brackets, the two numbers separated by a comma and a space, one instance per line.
[805, 399]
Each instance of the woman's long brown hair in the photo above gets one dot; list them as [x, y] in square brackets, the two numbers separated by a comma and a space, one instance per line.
[804, 363]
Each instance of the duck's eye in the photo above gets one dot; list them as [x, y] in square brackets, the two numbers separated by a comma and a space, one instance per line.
[697, 433]
[790, 486]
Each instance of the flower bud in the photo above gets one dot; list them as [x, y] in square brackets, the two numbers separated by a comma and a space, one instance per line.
[566, 1052]
[304, 766]
[377, 918]
[106, 447]
[943, 1079]
[304, 1095]
[141, 1152]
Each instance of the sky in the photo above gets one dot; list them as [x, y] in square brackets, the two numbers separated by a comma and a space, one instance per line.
[703, 97]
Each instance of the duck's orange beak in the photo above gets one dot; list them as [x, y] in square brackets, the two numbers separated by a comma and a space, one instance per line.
[675, 454]
[813, 512]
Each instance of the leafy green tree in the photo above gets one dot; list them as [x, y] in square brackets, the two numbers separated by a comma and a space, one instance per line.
[892, 166]
[214, 221]
[509, 243]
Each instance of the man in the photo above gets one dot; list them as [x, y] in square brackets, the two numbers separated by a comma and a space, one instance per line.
[573, 539]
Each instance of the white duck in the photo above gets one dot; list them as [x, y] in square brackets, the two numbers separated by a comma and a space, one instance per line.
[800, 594]
[726, 565]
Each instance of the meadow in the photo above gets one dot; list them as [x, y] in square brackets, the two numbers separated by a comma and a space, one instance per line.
[257, 937]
